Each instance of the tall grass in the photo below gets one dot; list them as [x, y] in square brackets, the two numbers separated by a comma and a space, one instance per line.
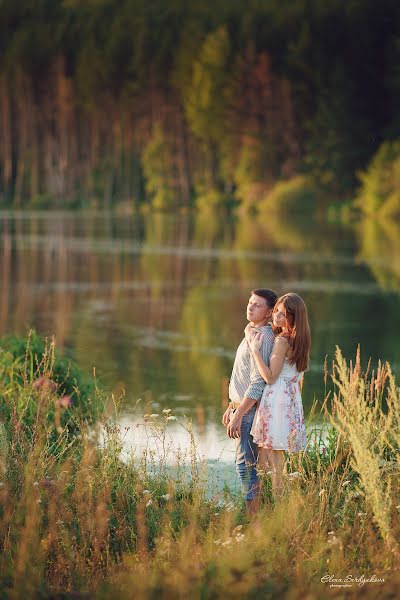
[77, 521]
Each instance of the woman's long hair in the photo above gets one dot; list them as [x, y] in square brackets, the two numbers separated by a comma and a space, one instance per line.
[299, 330]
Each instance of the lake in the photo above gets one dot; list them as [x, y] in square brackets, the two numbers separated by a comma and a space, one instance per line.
[156, 303]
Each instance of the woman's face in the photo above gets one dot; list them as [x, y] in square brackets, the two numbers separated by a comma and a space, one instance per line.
[279, 317]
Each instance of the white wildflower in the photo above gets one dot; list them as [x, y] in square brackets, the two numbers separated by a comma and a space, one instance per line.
[166, 497]
[361, 514]
[335, 542]
[294, 475]
[36, 484]
[171, 418]
[154, 416]
[166, 411]
[149, 502]
[146, 492]
[346, 483]
[331, 533]
[321, 492]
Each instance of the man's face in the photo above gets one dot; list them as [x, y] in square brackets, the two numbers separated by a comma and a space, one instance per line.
[257, 310]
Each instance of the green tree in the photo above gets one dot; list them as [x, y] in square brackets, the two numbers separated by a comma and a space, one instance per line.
[158, 170]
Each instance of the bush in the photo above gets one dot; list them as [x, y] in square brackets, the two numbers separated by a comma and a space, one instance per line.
[380, 189]
[296, 195]
[39, 385]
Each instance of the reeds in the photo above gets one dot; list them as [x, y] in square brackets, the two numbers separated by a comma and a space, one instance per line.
[75, 518]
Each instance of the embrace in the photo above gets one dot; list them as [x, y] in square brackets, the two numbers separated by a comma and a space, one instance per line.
[265, 413]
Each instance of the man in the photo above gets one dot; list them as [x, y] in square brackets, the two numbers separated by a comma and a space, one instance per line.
[245, 389]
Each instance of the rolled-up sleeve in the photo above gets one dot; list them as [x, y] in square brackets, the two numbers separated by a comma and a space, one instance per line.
[257, 383]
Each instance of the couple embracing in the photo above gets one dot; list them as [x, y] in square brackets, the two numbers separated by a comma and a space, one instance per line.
[265, 414]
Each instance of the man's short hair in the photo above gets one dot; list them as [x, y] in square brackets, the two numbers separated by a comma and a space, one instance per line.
[269, 296]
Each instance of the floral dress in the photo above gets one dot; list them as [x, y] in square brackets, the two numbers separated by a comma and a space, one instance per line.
[279, 421]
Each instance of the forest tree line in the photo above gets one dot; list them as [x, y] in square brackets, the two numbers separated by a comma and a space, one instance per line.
[172, 101]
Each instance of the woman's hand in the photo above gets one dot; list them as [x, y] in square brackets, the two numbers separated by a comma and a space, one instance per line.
[253, 338]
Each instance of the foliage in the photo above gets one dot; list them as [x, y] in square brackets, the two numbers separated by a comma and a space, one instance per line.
[92, 523]
[296, 195]
[244, 95]
[157, 171]
[380, 183]
[38, 385]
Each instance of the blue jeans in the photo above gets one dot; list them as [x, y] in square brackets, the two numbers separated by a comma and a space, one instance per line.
[246, 457]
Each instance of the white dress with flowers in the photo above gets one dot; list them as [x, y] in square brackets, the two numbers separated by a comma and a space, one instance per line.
[279, 421]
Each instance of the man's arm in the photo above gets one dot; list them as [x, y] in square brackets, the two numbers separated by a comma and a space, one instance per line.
[233, 429]
[255, 389]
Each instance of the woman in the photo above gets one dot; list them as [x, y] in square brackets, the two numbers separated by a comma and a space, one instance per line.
[279, 426]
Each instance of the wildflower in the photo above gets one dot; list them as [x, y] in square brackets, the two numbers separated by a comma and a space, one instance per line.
[65, 401]
[36, 484]
[321, 492]
[166, 497]
[146, 492]
[171, 418]
[335, 541]
[361, 514]
[146, 416]
[45, 384]
[227, 542]
[166, 411]
[149, 502]
[346, 483]
[154, 416]
[238, 528]
[294, 475]
[217, 542]
[331, 532]
[47, 483]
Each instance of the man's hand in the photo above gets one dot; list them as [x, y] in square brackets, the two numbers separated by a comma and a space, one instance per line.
[233, 429]
[226, 416]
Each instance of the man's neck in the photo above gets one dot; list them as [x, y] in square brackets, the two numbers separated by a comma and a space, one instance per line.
[260, 324]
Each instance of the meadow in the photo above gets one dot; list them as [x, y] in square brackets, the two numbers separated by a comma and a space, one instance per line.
[77, 521]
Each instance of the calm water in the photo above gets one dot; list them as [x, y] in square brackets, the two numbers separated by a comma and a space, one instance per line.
[157, 303]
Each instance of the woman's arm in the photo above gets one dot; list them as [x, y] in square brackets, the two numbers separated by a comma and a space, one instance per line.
[279, 351]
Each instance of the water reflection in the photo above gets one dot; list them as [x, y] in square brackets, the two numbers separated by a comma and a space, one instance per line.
[157, 302]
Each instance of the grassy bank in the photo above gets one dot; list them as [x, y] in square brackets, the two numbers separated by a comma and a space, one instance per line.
[76, 521]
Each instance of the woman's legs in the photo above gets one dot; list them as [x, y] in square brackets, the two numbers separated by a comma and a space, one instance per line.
[275, 461]
[263, 462]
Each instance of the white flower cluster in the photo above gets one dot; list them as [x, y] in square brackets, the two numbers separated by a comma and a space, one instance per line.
[237, 536]
[334, 541]
[166, 412]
